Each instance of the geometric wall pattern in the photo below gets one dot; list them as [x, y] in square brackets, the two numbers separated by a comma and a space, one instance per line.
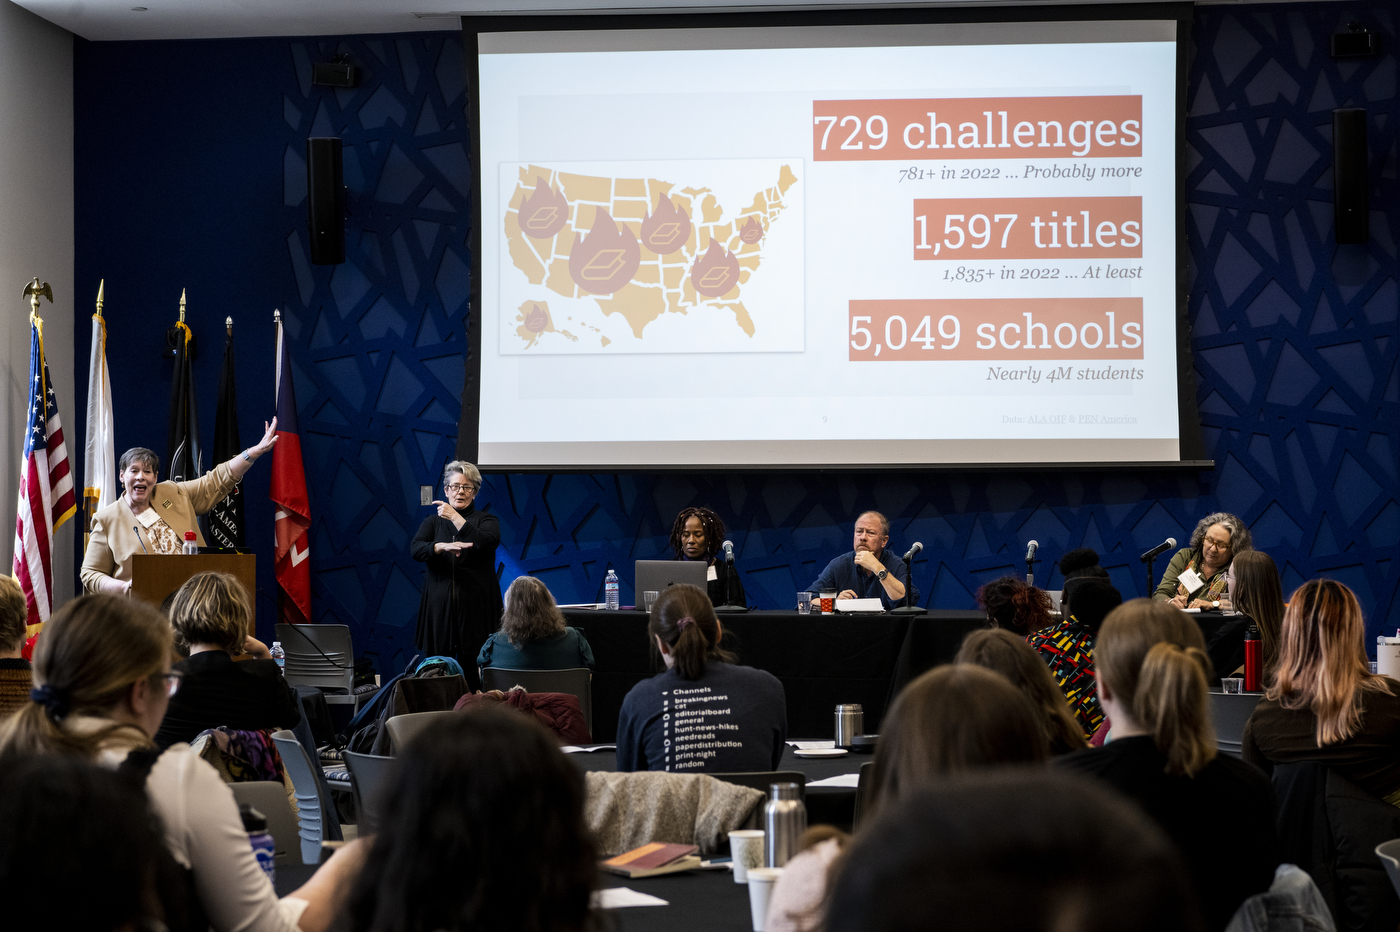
[1294, 339]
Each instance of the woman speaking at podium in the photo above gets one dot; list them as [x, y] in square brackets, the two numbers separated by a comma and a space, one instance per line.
[152, 517]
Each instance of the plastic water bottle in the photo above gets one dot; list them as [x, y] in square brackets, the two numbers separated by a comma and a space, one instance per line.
[190, 546]
[279, 655]
[610, 590]
[264, 847]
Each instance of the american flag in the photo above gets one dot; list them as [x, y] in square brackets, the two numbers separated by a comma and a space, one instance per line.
[46, 498]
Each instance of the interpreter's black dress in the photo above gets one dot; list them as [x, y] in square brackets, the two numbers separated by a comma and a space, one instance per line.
[461, 602]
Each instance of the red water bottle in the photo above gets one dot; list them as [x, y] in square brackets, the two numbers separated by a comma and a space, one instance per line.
[1253, 659]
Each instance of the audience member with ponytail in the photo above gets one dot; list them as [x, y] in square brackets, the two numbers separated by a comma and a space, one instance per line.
[1325, 704]
[1014, 659]
[1015, 606]
[1152, 670]
[744, 710]
[102, 682]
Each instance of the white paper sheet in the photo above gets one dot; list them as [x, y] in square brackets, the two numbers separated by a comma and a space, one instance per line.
[812, 745]
[859, 605]
[587, 748]
[851, 780]
[621, 897]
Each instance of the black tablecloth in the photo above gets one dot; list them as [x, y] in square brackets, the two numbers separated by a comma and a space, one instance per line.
[822, 660]
[699, 901]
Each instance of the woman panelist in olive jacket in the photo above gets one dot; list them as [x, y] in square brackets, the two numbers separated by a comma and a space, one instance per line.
[461, 602]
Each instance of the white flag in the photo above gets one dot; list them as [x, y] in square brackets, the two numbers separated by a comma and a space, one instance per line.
[99, 451]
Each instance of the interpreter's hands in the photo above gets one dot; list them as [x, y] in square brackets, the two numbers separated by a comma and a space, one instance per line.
[454, 547]
[253, 649]
[269, 438]
[451, 514]
[846, 594]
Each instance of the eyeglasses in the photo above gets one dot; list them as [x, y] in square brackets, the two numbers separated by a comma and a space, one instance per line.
[458, 487]
[1218, 545]
[172, 682]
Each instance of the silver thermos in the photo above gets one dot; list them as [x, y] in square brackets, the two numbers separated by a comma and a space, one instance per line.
[850, 723]
[784, 821]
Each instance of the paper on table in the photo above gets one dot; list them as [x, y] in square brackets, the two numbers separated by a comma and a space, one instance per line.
[859, 605]
[619, 897]
[812, 745]
[595, 606]
[851, 780]
[587, 748]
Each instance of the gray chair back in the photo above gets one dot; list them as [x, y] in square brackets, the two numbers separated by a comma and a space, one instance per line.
[577, 681]
[404, 728]
[367, 777]
[864, 787]
[307, 790]
[320, 656]
[1230, 711]
[270, 798]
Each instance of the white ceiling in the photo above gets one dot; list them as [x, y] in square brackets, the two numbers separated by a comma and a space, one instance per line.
[105, 20]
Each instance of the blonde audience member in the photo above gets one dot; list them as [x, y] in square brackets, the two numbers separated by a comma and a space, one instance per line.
[15, 677]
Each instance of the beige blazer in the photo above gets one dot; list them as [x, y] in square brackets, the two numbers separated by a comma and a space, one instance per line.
[114, 537]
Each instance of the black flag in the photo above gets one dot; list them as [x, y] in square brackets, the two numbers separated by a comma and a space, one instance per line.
[226, 518]
[186, 458]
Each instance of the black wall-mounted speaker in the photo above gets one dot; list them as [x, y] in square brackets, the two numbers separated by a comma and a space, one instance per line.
[325, 200]
[1349, 182]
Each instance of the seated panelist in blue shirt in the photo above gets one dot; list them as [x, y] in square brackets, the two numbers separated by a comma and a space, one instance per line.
[869, 570]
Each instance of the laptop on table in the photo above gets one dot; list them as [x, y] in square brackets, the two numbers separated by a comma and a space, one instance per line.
[659, 574]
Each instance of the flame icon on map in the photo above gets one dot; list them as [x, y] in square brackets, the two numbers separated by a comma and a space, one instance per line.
[716, 272]
[606, 257]
[544, 212]
[665, 231]
[752, 231]
[536, 319]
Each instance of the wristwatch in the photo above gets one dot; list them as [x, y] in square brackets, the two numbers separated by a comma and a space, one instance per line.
[882, 574]
[1215, 604]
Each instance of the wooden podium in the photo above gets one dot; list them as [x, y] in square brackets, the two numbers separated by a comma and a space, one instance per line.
[156, 576]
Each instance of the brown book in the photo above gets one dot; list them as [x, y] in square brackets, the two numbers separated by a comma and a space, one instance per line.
[653, 859]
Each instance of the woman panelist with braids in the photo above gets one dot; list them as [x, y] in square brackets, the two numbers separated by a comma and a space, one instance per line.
[698, 534]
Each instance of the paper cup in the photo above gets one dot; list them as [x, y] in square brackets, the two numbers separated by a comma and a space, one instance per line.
[761, 882]
[746, 849]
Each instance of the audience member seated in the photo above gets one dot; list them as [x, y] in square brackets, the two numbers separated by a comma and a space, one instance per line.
[1068, 648]
[1152, 670]
[15, 678]
[65, 822]
[482, 828]
[533, 635]
[1015, 606]
[102, 683]
[1217, 540]
[745, 705]
[1011, 852]
[1258, 595]
[1325, 704]
[1009, 655]
[1079, 564]
[229, 678]
[698, 534]
[953, 719]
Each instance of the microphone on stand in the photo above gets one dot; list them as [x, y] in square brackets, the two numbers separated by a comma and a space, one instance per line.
[1031, 548]
[909, 608]
[1158, 550]
[729, 606]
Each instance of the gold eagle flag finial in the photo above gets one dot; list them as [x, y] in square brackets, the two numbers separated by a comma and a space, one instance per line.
[34, 291]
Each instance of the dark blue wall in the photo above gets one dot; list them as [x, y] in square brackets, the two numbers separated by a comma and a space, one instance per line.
[190, 174]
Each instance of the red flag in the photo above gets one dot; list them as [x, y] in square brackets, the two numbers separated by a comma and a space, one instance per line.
[293, 519]
[46, 497]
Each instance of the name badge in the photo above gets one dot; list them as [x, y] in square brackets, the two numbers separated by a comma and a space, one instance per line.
[1191, 580]
[710, 574]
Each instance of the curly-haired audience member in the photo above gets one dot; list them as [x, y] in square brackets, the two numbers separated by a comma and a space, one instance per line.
[483, 828]
[1325, 704]
[230, 678]
[1153, 670]
[533, 634]
[1068, 648]
[698, 534]
[1015, 606]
